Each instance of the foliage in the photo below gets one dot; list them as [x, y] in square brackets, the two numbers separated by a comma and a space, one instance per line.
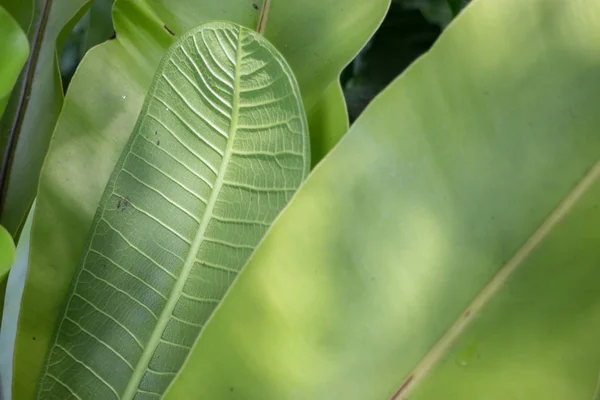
[317, 38]
[32, 111]
[13, 52]
[7, 257]
[406, 34]
[94, 28]
[181, 213]
[445, 248]
[10, 314]
[440, 12]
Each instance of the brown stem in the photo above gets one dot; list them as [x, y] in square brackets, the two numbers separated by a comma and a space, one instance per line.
[23, 100]
[264, 15]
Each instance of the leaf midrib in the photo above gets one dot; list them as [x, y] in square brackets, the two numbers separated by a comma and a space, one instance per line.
[149, 350]
[441, 347]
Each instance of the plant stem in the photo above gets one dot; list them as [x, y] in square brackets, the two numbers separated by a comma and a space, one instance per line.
[264, 15]
[26, 80]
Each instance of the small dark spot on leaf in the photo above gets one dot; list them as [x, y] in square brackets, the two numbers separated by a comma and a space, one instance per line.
[119, 204]
[156, 132]
[231, 389]
[255, 6]
[158, 142]
[113, 36]
[467, 313]
[34, 338]
[125, 203]
[168, 30]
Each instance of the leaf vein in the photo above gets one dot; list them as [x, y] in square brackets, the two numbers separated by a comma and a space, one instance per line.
[185, 146]
[96, 338]
[138, 250]
[127, 272]
[88, 368]
[137, 341]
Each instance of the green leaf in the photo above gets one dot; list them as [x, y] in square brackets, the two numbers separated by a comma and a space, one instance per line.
[93, 28]
[219, 148]
[13, 53]
[93, 129]
[32, 111]
[7, 257]
[10, 310]
[329, 117]
[100, 26]
[404, 33]
[456, 223]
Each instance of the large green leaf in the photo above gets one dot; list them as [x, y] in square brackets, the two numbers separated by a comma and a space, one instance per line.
[448, 247]
[219, 148]
[32, 111]
[13, 53]
[101, 106]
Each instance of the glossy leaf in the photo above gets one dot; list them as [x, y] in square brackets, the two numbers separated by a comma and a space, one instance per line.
[13, 53]
[447, 248]
[93, 129]
[32, 111]
[219, 148]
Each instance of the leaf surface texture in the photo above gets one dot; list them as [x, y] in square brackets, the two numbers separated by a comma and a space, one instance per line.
[219, 148]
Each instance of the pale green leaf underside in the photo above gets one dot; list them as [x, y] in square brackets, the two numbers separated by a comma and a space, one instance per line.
[219, 148]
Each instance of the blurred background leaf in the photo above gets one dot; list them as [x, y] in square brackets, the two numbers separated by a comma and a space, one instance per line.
[7, 257]
[408, 31]
[14, 49]
[440, 12]
[28, 121]
[94, 28]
